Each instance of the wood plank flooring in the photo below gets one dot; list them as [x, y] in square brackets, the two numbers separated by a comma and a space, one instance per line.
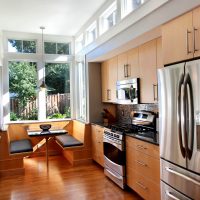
[61, 182]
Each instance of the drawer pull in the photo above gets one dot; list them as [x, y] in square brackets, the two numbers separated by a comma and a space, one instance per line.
[141, 163]
[141, 147]
[141, 185]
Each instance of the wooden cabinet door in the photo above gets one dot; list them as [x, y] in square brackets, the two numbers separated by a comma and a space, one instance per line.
[112, 79]
[97, 144]
[177, 39]
[122, 66]
[148, 78]
[133, 63]
[104, 81]
[196, 31]
[159, 55]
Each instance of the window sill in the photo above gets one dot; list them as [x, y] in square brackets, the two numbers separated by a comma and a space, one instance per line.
[5, 126]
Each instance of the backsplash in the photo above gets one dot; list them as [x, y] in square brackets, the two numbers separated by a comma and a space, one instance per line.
[123, 111]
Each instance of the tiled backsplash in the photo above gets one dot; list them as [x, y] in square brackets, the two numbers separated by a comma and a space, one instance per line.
[123, 111]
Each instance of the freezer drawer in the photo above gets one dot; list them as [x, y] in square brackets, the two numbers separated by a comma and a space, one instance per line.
[168, 193]
[181, 179]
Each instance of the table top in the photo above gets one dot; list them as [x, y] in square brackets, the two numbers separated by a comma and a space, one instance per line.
[49, 133]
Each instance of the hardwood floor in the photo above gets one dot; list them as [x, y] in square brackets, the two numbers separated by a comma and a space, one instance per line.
[62, 182]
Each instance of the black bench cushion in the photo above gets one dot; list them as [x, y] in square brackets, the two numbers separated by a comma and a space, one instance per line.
[21, 146]
[68, 141]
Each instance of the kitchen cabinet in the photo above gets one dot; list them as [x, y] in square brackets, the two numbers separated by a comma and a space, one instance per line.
[181, 37]
[148, 70]
[143, 168]
[109, 79]
[97, 144]
[128, 65]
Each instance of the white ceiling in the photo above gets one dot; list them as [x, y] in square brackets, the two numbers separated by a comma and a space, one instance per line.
[60, 17]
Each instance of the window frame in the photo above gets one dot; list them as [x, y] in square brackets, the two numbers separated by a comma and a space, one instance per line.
[89, 30]
[103, 17]
[30, 57]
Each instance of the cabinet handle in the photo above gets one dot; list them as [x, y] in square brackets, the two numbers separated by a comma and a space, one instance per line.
[187, 42]
[141, 185]
[125, 71]
[108, 94]
[155, 97]
[127, 75]
[194, 32]
[141, 163]
[141, 147]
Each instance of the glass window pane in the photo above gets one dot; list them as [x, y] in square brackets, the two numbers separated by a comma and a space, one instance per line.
[50, 47]
[63, 48]
[15, 46]
[58, 90]
[29, 46]
[22, 91]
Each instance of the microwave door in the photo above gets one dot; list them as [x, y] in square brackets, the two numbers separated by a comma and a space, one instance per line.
[170, 129]
[192, 88]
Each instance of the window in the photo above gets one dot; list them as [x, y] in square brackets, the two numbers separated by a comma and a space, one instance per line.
[108, 18]
[91, 33]
[56, 48]
[57, 79]
[21, 46]
[81, 94]
[22, 91]
[23, 99]
[127, 6]
[79, 43]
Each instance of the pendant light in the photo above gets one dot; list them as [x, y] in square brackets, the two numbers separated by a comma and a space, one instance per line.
[43, 85]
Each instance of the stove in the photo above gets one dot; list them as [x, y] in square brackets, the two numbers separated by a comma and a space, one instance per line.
[142, 127]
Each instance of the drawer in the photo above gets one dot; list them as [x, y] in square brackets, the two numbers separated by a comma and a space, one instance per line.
[142, 185]
[145, 147]
[144, 164]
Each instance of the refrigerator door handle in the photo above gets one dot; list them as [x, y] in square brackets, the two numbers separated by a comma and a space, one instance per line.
[169, 194]
[172, 171]
[189, 106]
[179, 99]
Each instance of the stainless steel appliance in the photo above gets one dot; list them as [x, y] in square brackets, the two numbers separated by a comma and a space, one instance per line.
[128, 91]
[179, 121]
[114, 156]
[114, 143]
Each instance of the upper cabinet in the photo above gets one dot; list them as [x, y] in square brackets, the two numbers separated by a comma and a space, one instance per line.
[128, 64]
[148, 69]
[196, 30]
[109, 79]
[181, 37]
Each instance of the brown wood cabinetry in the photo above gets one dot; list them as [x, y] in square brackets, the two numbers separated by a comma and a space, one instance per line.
[181, 37]
[148, 78]
[128, 65]
[97, 144]
[143, 168]
[109, 79]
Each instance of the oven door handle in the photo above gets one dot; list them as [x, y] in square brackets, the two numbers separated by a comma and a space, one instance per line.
[169, 194]
[119, 146]
[118, 177]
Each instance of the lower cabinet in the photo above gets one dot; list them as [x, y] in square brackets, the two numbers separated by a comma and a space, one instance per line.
[143, 168]
[97, 144]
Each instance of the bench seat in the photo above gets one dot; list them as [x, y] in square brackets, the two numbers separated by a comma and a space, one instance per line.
[20, 146]
[68, 141]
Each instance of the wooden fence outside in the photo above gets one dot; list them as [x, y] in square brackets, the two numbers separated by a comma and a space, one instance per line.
[56, 103]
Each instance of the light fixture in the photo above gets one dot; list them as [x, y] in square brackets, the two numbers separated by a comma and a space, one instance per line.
[43, 85]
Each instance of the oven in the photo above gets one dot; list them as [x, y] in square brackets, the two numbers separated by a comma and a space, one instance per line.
[114, 156]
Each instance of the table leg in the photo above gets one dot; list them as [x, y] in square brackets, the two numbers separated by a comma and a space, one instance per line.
[47, 153]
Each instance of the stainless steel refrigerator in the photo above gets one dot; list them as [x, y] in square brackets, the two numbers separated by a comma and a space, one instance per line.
[179, 128]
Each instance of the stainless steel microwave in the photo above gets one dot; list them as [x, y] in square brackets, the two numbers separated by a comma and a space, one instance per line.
[128, 91]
